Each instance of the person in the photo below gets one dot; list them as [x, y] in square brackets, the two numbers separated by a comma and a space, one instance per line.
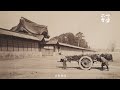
[104, 62]
[64, 60]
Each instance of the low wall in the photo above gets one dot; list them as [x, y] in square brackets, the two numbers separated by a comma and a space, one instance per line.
[18, 55]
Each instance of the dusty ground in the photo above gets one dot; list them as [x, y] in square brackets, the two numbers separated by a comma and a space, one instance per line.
[49, 68]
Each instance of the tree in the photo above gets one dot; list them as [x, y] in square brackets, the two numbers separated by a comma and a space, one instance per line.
[83, 43]
[70, 38]
[79, 35]
[113, 47]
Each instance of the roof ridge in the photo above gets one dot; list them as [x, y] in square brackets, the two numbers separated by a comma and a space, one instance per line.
[23, 18]
[4, 29]
[16, 34]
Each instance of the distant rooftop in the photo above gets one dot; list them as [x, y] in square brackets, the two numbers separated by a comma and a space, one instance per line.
[68, 45]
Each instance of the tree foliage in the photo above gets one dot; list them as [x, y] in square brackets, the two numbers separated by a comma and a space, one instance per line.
[70, 38]
[113, 47]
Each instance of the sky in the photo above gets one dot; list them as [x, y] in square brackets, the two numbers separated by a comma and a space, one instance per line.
[99, 35]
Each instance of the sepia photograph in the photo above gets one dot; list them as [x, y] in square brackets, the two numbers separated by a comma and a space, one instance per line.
[59, 45]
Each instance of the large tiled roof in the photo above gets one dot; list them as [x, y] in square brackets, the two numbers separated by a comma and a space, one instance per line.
[31, 27]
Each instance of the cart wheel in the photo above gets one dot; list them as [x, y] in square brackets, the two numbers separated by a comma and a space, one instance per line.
[85, 63]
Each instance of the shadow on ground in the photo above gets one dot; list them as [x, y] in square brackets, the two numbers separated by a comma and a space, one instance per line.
[69, 67]
[98, 68]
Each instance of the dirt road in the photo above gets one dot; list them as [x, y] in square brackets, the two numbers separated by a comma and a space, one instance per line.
[49, 68]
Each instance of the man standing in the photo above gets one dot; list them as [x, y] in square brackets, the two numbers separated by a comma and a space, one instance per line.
[104, 62]
[64, 60]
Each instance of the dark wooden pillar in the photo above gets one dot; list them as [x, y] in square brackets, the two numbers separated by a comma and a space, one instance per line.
[0, 44]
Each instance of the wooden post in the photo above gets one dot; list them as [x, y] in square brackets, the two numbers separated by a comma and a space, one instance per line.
[27, 44]
[31, 45]
[54, 48]
[13, 42]
[23, 44]
[7, 43]
[0, 45]
[18, 44]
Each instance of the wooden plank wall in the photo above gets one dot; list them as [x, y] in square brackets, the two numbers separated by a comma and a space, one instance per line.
[9, 43]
